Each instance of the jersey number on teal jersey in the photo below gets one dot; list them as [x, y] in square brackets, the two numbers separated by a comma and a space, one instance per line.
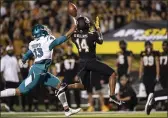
[38, 52]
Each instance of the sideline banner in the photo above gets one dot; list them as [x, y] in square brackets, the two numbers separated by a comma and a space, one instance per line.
[140, 31]
[112, 47]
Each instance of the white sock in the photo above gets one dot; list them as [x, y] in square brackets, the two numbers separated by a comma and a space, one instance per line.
[8, 92]
[63, 99]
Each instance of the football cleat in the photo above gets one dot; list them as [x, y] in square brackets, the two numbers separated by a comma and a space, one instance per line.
[90, 109]
[71, 112]
[149, 104]
[113, 99]
[63, 88]
[104, 108]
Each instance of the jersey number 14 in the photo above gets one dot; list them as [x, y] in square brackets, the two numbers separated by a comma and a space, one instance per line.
[82, 45]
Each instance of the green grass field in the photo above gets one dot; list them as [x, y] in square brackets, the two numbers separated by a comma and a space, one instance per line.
[84, 115]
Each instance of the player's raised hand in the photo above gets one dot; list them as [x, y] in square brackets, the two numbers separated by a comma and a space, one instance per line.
[97, 23]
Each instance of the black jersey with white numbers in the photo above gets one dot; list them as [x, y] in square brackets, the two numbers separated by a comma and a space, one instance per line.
[164, 63]
[123, 61]
[70, 64]
[59, 66]
[86, 43]
[149, 62]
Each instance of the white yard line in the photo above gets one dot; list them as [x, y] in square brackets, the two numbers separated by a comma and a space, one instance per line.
[97, 112]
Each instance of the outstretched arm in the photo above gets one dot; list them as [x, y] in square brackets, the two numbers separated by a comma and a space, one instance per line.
[99, 33]
[100, 37]
[57, 41]
[26, 56]
[62, 39]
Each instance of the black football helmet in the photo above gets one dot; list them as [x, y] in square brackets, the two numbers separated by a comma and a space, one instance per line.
[148, 46]
[148, 43]
[83, 23]
[165, 45]
[123, 44]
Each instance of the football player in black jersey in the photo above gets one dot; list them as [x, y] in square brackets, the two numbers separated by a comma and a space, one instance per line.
[162, 94]
[124, 60]
[164, 65]
[149, 66]
[70, 68]
[85, 42]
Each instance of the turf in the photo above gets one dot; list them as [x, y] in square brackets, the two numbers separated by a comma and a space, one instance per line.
[85, 115]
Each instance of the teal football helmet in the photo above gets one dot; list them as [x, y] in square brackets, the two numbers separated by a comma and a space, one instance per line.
[40, 30]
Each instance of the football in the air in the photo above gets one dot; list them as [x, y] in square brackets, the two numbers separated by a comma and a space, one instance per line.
[72, 9]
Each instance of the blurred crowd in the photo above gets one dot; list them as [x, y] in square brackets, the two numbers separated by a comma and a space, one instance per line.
[18, 17]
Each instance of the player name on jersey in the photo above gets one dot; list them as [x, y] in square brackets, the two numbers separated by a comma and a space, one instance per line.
[81, 35]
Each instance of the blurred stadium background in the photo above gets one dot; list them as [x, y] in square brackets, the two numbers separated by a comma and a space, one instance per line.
[134, 21]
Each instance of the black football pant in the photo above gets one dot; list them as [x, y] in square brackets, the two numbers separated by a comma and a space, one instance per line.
[95, 82]
[164, 80]
[149, 82]
[76, 95]
[95, 66]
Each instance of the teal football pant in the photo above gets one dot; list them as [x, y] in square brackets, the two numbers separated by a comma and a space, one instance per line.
[38, 76]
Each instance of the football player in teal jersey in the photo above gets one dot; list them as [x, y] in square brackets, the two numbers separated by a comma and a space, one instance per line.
[42, 48]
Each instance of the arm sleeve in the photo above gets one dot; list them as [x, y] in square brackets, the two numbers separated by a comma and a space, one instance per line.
[26, 56]
[57, 41]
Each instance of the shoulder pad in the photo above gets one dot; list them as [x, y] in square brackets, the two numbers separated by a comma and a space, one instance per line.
[31, 42]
